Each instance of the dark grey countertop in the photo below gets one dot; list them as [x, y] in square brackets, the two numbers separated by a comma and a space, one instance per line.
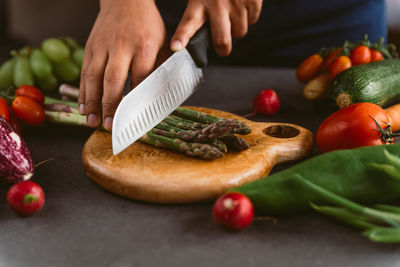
[83, 225]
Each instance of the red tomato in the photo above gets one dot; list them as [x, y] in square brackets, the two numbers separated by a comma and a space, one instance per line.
[4, 110]
[353, 127]
[360, 55]
[332, 56]
[376, 55]
[31, 92]
[309, 68]
[28, 110]
[340, 64]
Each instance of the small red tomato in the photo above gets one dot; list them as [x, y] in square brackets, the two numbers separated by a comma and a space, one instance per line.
[332, 56]
[266, 103]
[233, 211]
[309, 68]
[25, 198]
[340, 64]
[31, 92]
[376, 55]
[353, 127]
[360, 55]
[28, 110]
[4, 109]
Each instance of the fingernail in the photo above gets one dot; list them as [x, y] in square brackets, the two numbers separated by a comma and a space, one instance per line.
[82, 109]
[176, 45]
[108, 123]
[92, 120]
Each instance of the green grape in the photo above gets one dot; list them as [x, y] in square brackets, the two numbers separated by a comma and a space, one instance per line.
[7, 73]
[25, 51]
[40, 64]
[77, 56]
[72, 44]
[66, 71]
[48, 83]
[22, 72]
[56, 50]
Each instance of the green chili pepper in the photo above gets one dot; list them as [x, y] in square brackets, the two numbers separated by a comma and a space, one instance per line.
[347, 173]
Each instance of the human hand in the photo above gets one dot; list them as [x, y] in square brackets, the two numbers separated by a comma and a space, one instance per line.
[127, 35]
[227, 18]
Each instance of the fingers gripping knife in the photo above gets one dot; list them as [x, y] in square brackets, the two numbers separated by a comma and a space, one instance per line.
[165, 89]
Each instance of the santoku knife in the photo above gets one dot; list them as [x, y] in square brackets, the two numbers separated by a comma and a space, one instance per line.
[165, 89]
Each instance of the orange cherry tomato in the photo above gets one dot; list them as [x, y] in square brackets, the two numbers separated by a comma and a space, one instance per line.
[360, 55]
[31, 92]
[4, 110]
[332, 56]
[339, 65]
[376, 55]
[352, 127]
[309, 68]
[28, 110]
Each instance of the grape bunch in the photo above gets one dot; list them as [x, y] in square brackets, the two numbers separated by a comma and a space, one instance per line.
[58, 60]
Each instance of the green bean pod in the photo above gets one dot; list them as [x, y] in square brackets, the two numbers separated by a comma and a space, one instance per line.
[40, 64]
[347, 173]
[22, 72]
[66, 71]
[7, 73]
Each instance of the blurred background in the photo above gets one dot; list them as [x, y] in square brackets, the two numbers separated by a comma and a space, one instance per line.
[30, 21]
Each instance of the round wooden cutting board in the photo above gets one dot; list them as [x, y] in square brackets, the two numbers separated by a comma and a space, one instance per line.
[147, 173]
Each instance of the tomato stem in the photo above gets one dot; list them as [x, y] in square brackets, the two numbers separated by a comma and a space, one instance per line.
[385, 134]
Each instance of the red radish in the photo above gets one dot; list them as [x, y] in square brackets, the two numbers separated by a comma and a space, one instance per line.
[25, 198]
[265, 103]
[233, 211]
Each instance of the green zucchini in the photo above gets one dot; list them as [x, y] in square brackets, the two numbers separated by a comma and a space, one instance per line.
[376, 82]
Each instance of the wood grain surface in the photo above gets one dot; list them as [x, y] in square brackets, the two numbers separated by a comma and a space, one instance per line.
[146, 173]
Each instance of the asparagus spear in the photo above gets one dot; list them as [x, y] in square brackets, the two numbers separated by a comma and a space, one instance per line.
[187, 136]
[239, 127]
[204, 151]
[234, 142]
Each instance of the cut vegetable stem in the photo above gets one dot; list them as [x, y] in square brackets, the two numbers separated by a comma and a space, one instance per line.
[68, 90]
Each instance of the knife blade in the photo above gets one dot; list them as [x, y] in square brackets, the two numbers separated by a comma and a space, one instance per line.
[165, 89]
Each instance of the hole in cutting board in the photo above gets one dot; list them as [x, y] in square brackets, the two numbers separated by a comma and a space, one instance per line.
[281, 131]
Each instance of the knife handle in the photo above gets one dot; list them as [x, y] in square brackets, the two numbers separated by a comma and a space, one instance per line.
[198, 46]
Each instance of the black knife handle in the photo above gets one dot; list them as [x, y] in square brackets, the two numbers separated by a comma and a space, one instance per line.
[198, 46]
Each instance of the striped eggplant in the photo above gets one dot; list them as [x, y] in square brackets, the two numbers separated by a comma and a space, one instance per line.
[16, 162]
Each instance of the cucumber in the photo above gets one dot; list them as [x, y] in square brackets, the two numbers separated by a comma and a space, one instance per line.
[376, 82]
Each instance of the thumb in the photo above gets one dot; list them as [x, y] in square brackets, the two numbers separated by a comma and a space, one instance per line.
[193, 18]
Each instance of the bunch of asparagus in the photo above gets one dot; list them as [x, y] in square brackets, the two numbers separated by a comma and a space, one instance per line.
[187, 131]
